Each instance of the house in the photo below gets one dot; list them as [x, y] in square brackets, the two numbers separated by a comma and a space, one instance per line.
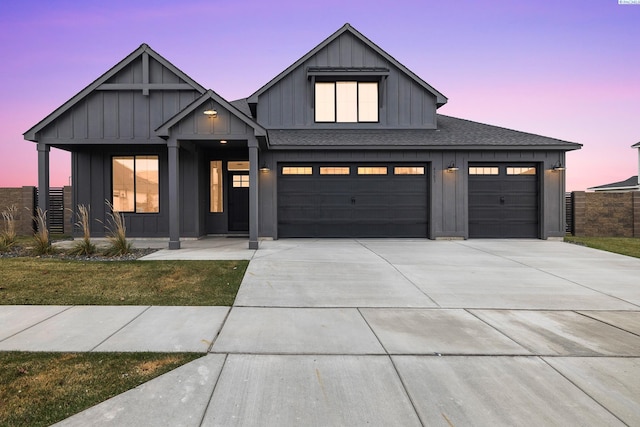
[629, 184]
[346, 142]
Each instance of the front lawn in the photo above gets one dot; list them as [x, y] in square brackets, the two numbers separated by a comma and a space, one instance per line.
[39, 389]
[45, 281]
[621, 245]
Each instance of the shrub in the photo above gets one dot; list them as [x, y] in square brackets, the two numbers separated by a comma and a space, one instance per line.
[41, 236]
[8, 231]
[116, 233]
[84, 246]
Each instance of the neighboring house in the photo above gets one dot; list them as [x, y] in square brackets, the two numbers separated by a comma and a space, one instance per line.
[346, 142]
[629, 184]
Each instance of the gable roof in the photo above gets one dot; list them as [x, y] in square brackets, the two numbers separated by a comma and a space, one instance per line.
[629, 183]
[31, 134]
[440, 98]
[452, 133]
[163, 130]
[636, 145]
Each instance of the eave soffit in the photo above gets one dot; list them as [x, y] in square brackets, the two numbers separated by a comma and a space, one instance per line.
[144, 49]
[440, 98]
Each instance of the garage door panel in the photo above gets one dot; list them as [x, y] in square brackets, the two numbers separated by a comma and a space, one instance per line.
[502, 205]
[353, 205]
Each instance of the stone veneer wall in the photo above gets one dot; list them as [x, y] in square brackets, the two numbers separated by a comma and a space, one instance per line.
[24, 199]
[606, 214]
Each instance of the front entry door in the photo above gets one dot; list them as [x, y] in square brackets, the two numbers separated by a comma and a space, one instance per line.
[238, 201]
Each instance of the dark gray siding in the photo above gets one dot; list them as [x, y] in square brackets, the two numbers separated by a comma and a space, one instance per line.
[91, 168]
[225, 126]
[122, 115]
[289, 103]
[448, 206]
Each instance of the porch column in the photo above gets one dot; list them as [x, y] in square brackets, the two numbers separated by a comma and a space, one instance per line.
[173, 147]
[253, 194]
[43, 178]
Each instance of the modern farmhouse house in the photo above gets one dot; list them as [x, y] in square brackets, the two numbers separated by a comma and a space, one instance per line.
[346, 142]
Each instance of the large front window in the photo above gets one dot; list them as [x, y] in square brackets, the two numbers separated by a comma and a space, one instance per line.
[346, 102]
[135, 184]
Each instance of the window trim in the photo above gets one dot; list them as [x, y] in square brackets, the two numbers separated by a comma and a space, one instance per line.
[357, 82]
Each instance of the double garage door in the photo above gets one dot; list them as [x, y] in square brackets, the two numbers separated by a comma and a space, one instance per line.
[352, 200]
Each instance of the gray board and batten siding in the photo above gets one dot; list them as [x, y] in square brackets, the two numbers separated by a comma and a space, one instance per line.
[145, 106]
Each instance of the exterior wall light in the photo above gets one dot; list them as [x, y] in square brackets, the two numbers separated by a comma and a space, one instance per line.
[557, 167]
[452, 167]
[223, 141]
[264, 168]
[210, 112]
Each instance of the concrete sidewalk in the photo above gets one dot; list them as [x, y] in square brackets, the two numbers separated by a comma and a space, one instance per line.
[380, 332]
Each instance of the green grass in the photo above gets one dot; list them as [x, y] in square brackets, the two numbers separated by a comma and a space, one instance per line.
[621, 245]
[39, 389]
[68, 282]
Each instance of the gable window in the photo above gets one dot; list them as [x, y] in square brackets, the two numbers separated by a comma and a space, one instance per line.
[135, 184]
[346, 102]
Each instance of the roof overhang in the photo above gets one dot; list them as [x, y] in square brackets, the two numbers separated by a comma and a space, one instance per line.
[347, 72]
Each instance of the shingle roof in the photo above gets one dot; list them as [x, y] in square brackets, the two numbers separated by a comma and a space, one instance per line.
[243, 106]
[451, 133]
[629, 182]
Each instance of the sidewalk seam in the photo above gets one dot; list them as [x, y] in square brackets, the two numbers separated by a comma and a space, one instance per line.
[37, 323]
[119, 329]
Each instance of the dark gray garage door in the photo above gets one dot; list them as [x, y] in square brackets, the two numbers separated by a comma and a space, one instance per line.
[503, 200]
[352, 200]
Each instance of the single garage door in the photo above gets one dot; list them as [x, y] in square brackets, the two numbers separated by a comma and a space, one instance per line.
[503, 200]
[352, 200]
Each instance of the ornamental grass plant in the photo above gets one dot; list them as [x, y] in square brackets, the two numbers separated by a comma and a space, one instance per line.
[116, 233]
[84, 246]
[8, 231]
[41, 240]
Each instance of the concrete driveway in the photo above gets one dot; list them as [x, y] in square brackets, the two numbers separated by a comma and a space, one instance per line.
[412, 332]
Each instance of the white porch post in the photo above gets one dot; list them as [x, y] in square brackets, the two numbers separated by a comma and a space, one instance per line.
[253, 193]
[173, 147]
[43, 177]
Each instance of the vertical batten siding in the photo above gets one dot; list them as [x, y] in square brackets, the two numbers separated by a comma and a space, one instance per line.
[288, 104]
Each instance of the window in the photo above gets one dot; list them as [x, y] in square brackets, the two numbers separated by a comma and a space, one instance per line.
[521, 170]
[483, 170]
[331, 170]
[412, 170]
[240, 181]
[238, 166]
[135, 184]
[346, 102]
[293, 170]
[380, 170]
[215, 187]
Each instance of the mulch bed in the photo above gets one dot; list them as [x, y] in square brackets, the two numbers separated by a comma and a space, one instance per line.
[22, 251]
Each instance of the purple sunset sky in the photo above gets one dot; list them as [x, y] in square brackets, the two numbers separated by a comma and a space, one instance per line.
[567, 69]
